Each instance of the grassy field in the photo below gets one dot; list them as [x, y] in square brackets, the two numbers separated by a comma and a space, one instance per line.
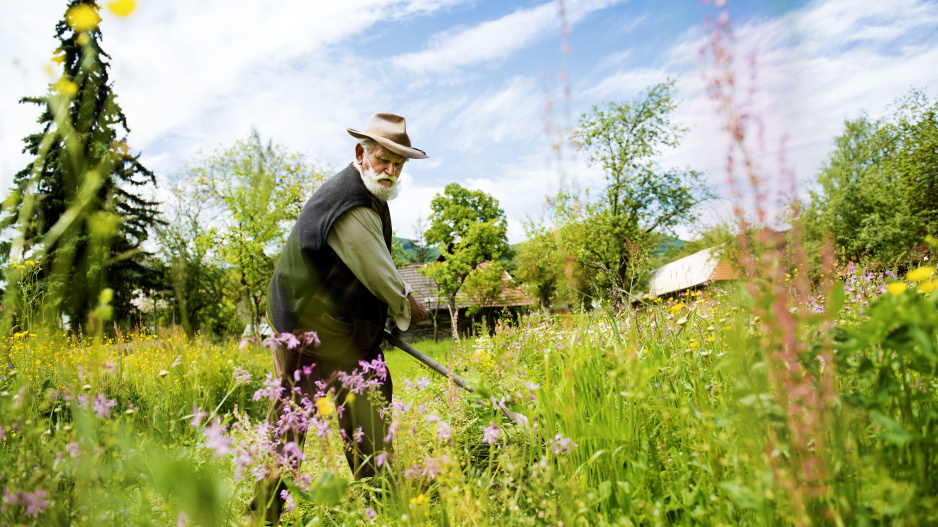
[760, 405]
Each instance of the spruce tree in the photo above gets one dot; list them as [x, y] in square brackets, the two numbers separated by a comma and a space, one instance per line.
[78, 204]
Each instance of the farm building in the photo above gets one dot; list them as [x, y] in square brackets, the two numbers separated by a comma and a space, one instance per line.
[688, 272]
[513, 299]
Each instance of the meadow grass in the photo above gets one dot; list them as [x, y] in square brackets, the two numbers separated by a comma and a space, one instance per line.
[681, 411]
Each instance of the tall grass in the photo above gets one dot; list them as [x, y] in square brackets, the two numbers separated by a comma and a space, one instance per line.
[667, 415]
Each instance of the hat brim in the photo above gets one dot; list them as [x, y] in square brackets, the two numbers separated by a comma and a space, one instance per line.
[405, 151]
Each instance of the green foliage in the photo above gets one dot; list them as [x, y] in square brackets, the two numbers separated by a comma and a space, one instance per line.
[878, 191]
[77, 207]
[539, 264]
[258, 192]
[469, 228]
[205, 290]
[603, 243]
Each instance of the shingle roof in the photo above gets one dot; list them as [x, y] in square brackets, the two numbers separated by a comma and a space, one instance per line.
[427, 291]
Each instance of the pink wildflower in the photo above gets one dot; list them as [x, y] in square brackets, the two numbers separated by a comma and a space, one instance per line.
[490, 433]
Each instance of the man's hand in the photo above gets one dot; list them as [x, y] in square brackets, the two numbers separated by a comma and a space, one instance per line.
[417, 313]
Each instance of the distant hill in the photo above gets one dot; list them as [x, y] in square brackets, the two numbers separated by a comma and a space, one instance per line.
[410, 248]
[670, 244]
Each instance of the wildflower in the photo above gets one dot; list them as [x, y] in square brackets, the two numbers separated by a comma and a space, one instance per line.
[419, 500]
[245, 341]
[72, 449]
[241, 376]
[490, 433]
[381, 459]
[560, 444]
[271, 390]
[693, 344]
[896, 288]
[288, 503]
[182, 520]
[422, 383]
[35, 501]
[920, 275]
[197, 415]
[928, 287]
[109, 366]
[82, 17]
[310, 338]
[369, 512]
[358, 435]
[324, 406]
[215, 438]
[101, 406]
[122, 7]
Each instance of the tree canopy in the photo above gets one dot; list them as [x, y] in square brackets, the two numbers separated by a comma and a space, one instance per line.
[77, 207]
[877, 194]
[469, 228]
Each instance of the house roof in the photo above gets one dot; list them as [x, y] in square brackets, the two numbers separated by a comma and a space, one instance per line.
[427, 292]
[689, 271]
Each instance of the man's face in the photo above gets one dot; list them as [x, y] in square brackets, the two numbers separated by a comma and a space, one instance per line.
[386, 165]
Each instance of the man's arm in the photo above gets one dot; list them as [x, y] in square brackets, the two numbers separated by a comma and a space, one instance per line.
[357, 239]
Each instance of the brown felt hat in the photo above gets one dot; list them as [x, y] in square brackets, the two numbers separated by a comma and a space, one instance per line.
[390, 131]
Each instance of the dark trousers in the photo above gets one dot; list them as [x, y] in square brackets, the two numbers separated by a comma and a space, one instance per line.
[332, 356]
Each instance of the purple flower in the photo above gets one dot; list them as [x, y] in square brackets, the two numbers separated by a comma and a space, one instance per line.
[35, 501]
[241, 376]
[288, 504]
[197, 415]
[370, 512]
[560, 444]
[382, 459]
[490, 433]
[102, 407]
[83, 401]
[215, 438]
[310, 338]
[271, 390]
[109, 366]
[73, 449]
[9, 498]
[358, 435]
[422, 383]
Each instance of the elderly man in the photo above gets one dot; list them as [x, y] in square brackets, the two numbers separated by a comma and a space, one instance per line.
[336, 277]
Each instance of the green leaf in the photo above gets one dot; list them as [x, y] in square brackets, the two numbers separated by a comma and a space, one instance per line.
[892, 431]
[742, 495]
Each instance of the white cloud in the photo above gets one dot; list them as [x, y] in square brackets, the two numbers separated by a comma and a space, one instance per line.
[493, 40]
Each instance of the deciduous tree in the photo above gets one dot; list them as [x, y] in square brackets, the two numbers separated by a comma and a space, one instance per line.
[470, 228]
[259, 191]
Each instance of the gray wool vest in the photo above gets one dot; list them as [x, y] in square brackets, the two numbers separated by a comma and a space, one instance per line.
[309, 275]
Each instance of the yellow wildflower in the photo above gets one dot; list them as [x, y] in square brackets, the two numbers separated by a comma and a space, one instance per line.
[83, 39]
[324, 406]
[710, 339]
[66, 87]
[82, 17]
[896, 288]
[927, 287]
[122, 7]
[693, 344]
[58, 59]
[21, 334]
[419, 500]
[920, 274]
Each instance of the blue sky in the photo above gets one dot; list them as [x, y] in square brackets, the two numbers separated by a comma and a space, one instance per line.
[474, 79]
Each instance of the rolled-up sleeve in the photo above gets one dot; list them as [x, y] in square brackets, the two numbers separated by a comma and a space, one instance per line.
[356, 237]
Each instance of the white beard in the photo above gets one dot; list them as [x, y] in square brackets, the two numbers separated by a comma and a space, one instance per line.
[371, 180]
